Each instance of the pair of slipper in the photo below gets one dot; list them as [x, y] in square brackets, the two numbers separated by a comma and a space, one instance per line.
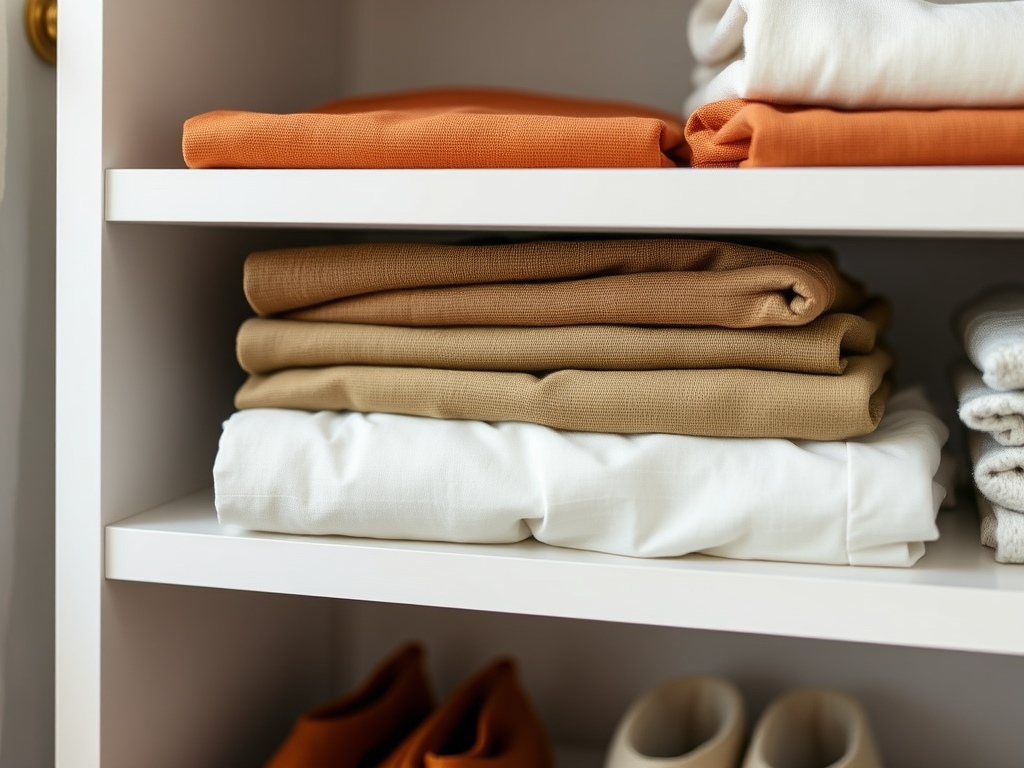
[391, 722]
[700, 722]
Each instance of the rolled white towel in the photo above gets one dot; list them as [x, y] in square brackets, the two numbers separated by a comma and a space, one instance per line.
[984, 409]
[861, 54]
[998, 470]
[992, 329]
[1001, 530]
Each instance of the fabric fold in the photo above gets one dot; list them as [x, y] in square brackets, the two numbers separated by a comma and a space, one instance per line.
[861, 54]
[454, 128]
[998, 470]
[747, 134]
[1002, 530]
[1000, 414]
[992, 329]
[736, 402]
[653, 495]
[647, 282]
[822, 346]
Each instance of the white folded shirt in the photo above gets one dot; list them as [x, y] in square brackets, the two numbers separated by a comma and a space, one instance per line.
[1001, 530]
[998, 470]
[984, 409]
[992, 330]
[864, 54]
[868, 501]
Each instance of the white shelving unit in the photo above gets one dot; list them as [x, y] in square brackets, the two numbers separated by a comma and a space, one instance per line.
[184, 643]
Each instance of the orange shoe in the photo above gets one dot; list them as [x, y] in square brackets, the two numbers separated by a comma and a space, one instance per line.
[362, 728]
[487, 723]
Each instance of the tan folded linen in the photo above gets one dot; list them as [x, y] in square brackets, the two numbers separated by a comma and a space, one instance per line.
[730, 402]
[645, 282]
[821, 346]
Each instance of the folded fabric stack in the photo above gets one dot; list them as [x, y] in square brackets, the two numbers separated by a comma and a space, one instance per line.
[449, 128]
[639, 397]
[991, 398]
[862, 82]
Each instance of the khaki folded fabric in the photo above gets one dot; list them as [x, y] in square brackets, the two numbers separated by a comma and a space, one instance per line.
[734, 132]
[646, 282]
[440, 129]
[721, 402]
[821, 346]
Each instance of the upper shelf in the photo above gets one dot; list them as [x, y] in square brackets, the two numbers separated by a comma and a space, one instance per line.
[956, 597]
[835, 201]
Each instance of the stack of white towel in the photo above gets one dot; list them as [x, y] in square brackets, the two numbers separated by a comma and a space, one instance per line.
[991, 398]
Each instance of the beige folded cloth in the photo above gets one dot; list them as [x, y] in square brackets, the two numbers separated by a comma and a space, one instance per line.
[729, 402]
[644, 282]
[821, 346]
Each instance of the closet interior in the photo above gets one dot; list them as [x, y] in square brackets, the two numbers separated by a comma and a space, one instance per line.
[183, 643]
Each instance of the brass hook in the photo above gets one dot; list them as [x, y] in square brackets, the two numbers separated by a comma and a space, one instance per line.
[41, 26]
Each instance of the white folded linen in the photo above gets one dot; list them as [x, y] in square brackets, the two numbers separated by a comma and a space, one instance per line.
[864, 54]
[867, 501]
[998, 470]
[984, 409]
[1001, 530]
[992, 330]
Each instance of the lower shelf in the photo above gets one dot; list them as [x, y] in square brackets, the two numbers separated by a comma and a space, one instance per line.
[955, 598]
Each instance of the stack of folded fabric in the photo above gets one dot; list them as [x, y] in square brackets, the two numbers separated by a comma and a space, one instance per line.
[991, 395]
[639, 397]
[450, 128]
[862, 82]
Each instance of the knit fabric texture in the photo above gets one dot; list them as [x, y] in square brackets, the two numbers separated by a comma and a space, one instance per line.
[992, 329]
[998, 470]
[821, 346]
[649, 495]
[1001, 414]
[736, 402]
[1002, 530]
[858, 54]
[440, 129]
[734, 132]
[487, 721]
[647, 282]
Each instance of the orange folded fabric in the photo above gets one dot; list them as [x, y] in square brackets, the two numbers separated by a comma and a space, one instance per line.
[734, 132]
[457, 128]
[361, 729]
[488, 721]
[617, 282]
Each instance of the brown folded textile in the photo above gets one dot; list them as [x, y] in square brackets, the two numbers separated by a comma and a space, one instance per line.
[729, 402]
[645, 282]
[488, 721]
[820, 346]
[364, 727]
[734, 132]
[459, 128]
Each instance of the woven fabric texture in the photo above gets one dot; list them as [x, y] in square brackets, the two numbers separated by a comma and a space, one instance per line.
[821, 346]
[734, 132]
[731, 402]
[440, 129]
[652, 281]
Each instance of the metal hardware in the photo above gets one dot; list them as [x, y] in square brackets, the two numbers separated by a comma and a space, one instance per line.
[41, 26]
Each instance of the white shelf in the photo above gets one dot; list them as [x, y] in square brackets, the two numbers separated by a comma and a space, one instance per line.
[957, 597]
[835, 201]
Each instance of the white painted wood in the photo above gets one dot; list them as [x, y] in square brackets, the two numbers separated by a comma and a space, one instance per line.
[957, 597]
[834, 201]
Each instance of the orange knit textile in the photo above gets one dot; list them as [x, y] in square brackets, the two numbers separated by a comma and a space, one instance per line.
[488, 721]
[457, 128]
[365, 726]
[734, 132]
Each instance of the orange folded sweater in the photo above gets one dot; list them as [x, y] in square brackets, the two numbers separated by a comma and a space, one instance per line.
[457, 128]
[734, 132]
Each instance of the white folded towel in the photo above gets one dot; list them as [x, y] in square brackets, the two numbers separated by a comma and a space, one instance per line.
[992, 330]
[868, 501]
[863, 54]
[998, 470]
[984, 409]
[1001, 530]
